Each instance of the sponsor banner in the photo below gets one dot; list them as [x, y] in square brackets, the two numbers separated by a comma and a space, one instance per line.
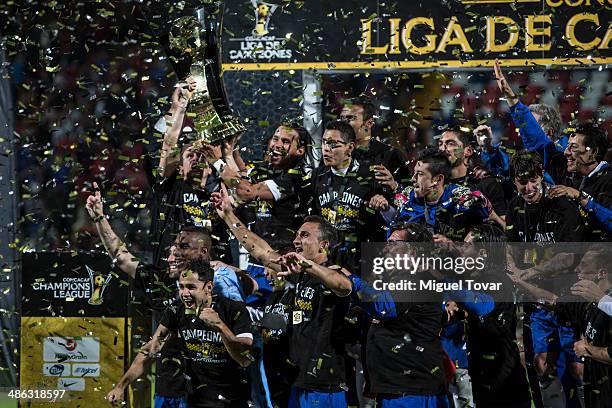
[71, 384]
[86, 370]
[61, 349]
[56, 369]
[68, 285]
[376, 34]
[82, 355]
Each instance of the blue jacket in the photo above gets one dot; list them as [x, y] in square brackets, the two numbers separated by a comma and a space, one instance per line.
[533, 137]
[601, 214]
[452, 215]
[498, 161]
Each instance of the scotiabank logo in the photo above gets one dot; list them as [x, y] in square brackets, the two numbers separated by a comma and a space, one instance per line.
[68, 349]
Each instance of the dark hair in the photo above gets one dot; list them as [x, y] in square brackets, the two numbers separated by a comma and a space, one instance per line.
[348, 134]
[326, 231]
[525, 164]
[438, 162]
[201, 234]
[202, 268]
[464, 137]
[304, 138]
[369, 110]
[594, 139]
[416, 232]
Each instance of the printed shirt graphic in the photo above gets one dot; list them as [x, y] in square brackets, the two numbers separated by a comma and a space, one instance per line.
[317, 346]
[211, 368]
[178, 202]
[341, 200]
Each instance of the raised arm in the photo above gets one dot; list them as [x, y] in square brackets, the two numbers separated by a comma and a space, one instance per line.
[139, 365]
[170, 155]
[115, 248]
[254, 244]
[534, 138]
[334, 279]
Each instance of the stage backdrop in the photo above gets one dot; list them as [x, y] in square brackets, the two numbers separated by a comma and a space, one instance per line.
[371, 34]
[73, 326]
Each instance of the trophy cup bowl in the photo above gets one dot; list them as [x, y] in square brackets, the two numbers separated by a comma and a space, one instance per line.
[193, 46]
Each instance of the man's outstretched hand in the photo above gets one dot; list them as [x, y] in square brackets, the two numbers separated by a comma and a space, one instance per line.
[503, 85]
[222, 202]
[294, 262]
[94, 204]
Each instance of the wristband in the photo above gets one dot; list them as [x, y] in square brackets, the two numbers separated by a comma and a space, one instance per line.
[584, 196]
[97, 219]
[218, 165]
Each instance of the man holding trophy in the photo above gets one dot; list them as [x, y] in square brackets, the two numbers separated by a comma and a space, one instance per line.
[199, 118]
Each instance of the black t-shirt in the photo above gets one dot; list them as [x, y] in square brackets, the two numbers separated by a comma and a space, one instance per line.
[216, 379]
[276, 221]
[279, 372]
[494, 362]
[316, 345]
[381, 153]
[596, 327]
[180, 202]
[548, 221]
[491, 187]
[342, 200]
[404, 353]
[152, 286]
[598, 186]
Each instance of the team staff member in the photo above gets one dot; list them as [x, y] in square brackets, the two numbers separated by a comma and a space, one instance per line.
[318, 309]
[540, 129]
[344, 192]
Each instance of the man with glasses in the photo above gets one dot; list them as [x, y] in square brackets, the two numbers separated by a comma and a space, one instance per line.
[344, 192]
[585, 155]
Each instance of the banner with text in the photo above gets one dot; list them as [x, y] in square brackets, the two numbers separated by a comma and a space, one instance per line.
[370, 34]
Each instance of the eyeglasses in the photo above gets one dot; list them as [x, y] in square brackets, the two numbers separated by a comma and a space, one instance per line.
[347, 118]
[332, 144]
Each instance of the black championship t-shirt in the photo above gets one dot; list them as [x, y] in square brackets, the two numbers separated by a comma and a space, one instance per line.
[342, 200]
[152, 286]
[179, 202]
[596, 327]
[279, 372]
[598, 186]
[404, 353]
[551, 220]
[277, 221]
[317, 345]
[216, 379]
